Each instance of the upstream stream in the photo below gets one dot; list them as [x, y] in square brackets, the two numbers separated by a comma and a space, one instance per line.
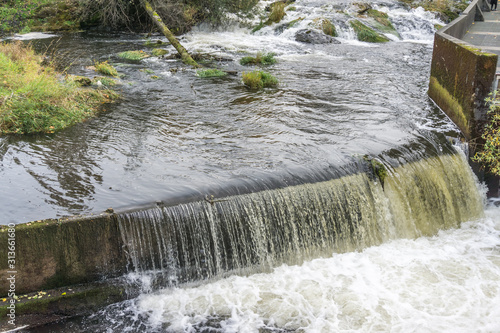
[176, 138]
[182, 135]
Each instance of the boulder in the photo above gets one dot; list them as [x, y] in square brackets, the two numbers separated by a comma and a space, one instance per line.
[314, 37]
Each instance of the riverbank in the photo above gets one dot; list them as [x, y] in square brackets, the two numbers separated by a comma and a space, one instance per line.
[35, 98]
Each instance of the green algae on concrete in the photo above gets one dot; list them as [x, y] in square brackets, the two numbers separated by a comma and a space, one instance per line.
[461, 78]
[62, 252]
[46, 306]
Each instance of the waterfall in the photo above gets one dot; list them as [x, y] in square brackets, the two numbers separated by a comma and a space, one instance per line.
[257, 231]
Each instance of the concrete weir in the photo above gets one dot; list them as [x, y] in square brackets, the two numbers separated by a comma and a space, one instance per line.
[70, 266]
[462, 75]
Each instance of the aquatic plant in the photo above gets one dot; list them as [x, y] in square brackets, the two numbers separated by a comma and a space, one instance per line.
[489, 153]
[277, 13]
[326, 26]
[259, 59]
[133, 55]
[104, 81]
[211, 73]
[367, 34]
[259, 80]
[33, 98]
[105, 68]
[159, 52]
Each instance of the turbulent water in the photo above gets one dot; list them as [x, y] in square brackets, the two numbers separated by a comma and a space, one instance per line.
[444, 283]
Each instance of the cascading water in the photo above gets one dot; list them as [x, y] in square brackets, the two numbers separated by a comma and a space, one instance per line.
[258, 231]
[243, 260]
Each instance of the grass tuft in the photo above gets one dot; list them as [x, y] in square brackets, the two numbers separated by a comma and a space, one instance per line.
[105, 68]
[259, 79]
[367, 34]
[159, 52]
[133, 55]
[211, 73]
[259, 59]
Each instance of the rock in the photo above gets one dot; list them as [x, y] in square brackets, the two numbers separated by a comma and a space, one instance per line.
[286, 2]
[314, 37]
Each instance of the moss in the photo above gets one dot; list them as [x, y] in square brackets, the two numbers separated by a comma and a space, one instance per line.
[378, 169]
[326, 26]
[159, 52]
[259, 59]
[103, 80]
[259, 79]
[381, 21]
[292, 23]
[55, 253]
[277, 13]
[133, 55]
[258, 27]
[153, 43]
[367, 34]
[211, 73]
[105, 68]
[67, 301]
[450, 104]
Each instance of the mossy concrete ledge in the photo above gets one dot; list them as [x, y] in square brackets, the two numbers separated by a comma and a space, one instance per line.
[61, 252]
[461, 74]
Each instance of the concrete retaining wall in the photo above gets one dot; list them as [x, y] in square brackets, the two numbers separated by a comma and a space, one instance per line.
[54, 253]
[461, 74]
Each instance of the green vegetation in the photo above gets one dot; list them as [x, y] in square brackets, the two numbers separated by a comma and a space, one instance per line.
[103, 80]
[378, 169]
[326, 26]
[449, 9]
[381, 21]
[211, 73]
[260, 59]
[33, 98]
[294, 22]
[489, 154]
[55, 15]
[133, 55]
[277, 13]
[153, 43]
[259, 80]
[38, 15]
[159, 52]
[105, 68]
[367, 34]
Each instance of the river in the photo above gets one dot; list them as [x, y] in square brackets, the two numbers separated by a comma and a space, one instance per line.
[180, 136]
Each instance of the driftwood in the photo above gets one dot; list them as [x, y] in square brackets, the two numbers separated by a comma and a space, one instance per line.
[185, 56]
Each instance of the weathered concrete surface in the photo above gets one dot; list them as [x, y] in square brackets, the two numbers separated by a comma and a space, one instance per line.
[63, 252]
[461, 74]
[43, 307]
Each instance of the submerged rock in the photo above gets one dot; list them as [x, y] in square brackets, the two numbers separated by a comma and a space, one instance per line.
[314, 37]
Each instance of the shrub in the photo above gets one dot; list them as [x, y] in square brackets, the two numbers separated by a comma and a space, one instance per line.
[211, 73]
[33, 99]
[105, 68]
[259, 80]
[260, 58]
[133, 55]
[489, 155]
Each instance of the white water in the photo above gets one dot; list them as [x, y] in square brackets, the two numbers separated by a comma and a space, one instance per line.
[447, 283]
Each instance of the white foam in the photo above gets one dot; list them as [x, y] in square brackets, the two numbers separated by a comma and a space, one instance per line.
[446, 283]
[33, 35]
